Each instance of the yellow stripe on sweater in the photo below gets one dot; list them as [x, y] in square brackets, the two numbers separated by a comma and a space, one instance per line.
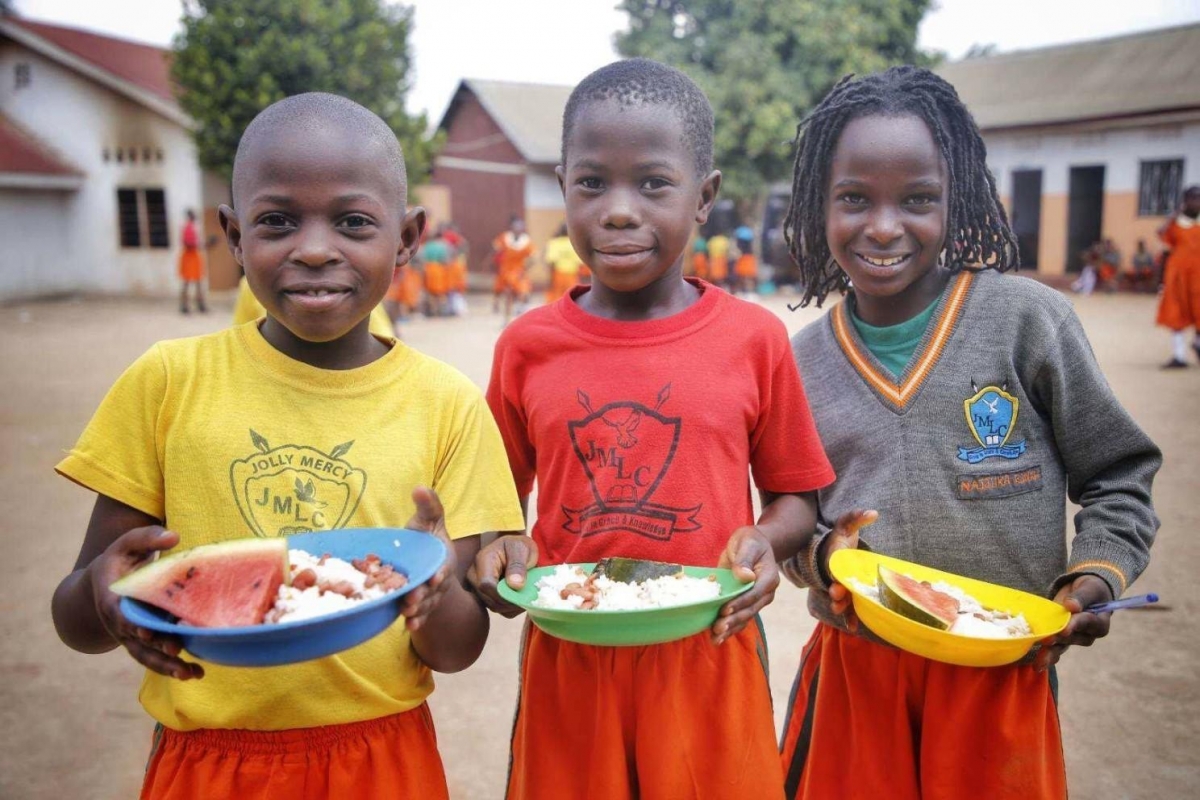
[900, 394]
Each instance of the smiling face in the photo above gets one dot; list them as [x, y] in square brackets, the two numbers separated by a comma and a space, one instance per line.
[632, 194]
[319, 230]
[885, 215]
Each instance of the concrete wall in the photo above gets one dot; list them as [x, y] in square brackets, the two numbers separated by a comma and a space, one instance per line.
[1120, 149]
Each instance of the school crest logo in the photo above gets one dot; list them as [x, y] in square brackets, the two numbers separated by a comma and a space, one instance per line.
[626, 449]
[992, 417]
[295, 488]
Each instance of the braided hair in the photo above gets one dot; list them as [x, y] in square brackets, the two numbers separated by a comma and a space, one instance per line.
[977, 232]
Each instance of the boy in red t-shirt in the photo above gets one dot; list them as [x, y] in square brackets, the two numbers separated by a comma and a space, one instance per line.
[640, 405]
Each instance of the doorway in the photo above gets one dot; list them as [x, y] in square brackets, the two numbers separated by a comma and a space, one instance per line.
[1085, 209]
[1027, 214]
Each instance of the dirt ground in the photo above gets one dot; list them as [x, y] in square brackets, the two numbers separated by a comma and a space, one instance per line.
[70, 725]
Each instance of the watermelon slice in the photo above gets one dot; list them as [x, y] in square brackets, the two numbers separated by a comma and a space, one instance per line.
[915, 600]
[214, 585]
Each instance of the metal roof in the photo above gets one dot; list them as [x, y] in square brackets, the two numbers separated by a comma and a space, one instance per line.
[1143, 73]
[530, 114]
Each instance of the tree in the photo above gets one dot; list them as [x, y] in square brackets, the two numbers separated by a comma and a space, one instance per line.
[236, 57]
[765, 63]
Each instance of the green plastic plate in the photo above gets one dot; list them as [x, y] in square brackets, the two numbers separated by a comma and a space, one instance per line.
[616, 628]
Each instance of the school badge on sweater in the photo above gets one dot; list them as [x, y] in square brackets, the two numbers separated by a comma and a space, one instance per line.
[991, 417]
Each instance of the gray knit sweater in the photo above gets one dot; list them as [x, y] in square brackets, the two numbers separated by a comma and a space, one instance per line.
[1001, 413]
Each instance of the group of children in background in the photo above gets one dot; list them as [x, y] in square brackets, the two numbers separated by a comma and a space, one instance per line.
[639, 406]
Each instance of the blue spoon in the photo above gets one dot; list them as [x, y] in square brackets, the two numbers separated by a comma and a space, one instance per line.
[1136, 601]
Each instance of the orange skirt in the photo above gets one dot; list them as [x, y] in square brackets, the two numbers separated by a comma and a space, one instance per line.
[394, 756]
[746, 266]
[1179, 306]
[869, 720]
[191, 266]
[700, 265]
[682, 719]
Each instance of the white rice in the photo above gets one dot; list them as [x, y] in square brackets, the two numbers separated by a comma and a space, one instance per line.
[293, 604]
[613, 595]
[973, 618]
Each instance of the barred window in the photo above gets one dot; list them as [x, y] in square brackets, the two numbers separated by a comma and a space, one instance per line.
[142, 218]
[128, 218]
[1159, 187]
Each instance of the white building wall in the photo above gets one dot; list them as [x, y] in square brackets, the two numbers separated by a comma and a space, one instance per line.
[541, 188]
[35, 257]
[1118, 150]
[79, 118]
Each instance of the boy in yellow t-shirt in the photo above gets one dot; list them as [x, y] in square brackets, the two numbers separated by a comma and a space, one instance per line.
[564, 264]
[208, 438]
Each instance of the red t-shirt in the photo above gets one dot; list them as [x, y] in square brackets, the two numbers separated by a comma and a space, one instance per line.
[642, 435]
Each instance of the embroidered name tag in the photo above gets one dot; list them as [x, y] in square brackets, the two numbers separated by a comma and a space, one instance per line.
[999, 484]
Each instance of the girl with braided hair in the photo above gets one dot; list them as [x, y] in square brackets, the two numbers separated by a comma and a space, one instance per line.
[962, 405]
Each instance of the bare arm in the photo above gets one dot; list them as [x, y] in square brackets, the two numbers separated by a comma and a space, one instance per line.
[87, 614]
[452, 636]
[786, 525]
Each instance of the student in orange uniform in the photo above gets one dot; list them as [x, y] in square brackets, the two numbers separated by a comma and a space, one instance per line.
[745, 269]
[435, 259]
[191, 265]
[511, 251]
[966, 406]
[700, 258]
[607, 400]
[718, 260]
[564, 264]
[1179, 307]
[459, 251]
[319, 225]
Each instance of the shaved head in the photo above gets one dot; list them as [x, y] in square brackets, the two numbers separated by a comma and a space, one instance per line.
[317, 116]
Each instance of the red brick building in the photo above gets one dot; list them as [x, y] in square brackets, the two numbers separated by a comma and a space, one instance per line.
[502, 145]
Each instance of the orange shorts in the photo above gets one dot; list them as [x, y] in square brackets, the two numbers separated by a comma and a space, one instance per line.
[458, 276]
[393, 756]
[867, 720]
[681, 720]
[718, 269]
[437, 278]
[745, 267]
[560, 284]
[191, 267]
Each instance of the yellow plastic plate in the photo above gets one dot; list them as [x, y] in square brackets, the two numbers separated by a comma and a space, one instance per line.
[1045, 617]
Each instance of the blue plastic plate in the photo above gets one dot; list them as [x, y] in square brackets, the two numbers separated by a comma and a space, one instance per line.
[418, 555]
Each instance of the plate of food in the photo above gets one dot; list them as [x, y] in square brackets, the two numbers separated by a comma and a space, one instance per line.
[624, 601]
[263, 602]
[943, 616]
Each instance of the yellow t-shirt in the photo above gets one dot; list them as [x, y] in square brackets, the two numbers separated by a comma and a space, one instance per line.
[562, 256]
[248, 308]
[216, 435]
